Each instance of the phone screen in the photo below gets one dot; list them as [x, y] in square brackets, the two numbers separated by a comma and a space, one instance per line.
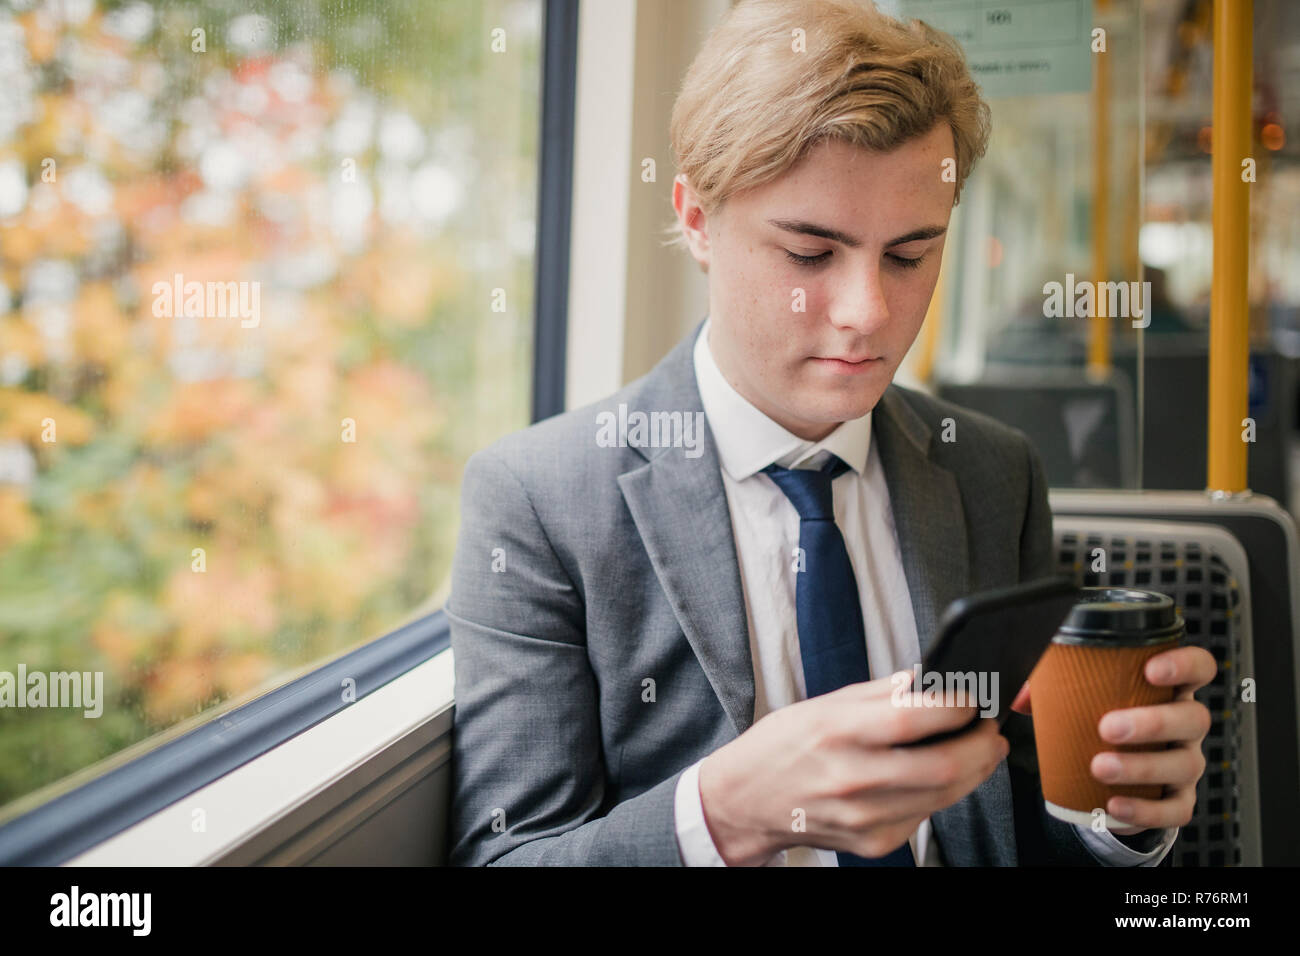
[989, 643]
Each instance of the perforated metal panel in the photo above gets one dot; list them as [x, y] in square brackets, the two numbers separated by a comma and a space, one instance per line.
[1204, 570]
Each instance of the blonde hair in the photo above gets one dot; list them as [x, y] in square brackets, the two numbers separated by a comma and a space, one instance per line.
[750, 106]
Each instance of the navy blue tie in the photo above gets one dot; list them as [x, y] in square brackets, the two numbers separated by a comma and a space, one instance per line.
[832, 643]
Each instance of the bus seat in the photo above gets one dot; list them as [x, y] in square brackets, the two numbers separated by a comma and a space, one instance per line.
[1083, 429]
[1267, 535]
[1176, 380]
[1205, 570]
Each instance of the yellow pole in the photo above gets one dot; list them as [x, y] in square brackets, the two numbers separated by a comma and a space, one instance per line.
[931, 327]
[1099, 324]
[1229, 306]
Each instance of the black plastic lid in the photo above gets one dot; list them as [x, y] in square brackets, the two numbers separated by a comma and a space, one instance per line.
[1120, 616]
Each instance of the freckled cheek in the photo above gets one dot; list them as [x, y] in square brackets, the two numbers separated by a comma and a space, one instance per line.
[766, 283]
[907, 307]
[799, 295]
[767, 296]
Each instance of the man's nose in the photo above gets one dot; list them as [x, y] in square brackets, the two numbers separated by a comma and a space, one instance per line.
[859, 305]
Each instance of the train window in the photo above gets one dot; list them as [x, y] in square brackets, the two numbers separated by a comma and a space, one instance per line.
[265, 284]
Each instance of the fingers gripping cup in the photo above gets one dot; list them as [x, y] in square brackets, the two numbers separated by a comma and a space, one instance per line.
[1094, 665]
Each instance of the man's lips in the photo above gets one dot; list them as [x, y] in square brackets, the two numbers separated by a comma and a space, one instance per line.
[837, 364]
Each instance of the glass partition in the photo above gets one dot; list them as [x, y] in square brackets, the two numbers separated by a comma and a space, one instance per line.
[1074, 300]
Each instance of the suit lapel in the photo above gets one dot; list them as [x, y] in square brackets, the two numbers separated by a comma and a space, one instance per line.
[931, 526]
[928, 515]
[680, 509]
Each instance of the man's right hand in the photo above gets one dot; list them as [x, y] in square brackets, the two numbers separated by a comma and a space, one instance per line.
[834, 757]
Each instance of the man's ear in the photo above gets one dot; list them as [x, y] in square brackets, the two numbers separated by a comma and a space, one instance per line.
[693, 221]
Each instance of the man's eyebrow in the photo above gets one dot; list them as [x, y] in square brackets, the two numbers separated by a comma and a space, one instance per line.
[823, 232]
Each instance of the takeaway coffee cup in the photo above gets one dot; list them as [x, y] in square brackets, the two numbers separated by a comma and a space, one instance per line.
[1095, 665]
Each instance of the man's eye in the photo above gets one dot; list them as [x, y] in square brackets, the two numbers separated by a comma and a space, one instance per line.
[806, 260]
[906, 263]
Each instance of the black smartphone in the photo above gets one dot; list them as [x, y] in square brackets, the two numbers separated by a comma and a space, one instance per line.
[988, 644]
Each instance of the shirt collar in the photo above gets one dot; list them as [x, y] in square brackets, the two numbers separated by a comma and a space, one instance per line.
[748, 441]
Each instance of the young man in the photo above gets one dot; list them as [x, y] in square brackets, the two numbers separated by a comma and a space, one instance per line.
[642, 677]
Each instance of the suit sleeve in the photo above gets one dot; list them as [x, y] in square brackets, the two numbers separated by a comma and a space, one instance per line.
[528, 773]
[1042, 839]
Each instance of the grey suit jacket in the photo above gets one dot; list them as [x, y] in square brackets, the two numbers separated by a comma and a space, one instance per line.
[583, 573]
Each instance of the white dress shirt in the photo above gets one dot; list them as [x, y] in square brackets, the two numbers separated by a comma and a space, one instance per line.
[766, 529]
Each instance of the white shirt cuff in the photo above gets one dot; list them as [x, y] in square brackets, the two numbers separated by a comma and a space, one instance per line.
[694, 842]
[1107, 848]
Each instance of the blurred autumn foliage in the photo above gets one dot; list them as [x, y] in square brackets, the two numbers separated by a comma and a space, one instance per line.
[373, 170]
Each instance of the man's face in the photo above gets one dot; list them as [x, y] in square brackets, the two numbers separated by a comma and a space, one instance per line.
[865, 289]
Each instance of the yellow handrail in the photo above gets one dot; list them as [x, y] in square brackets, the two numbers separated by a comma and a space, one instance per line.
[931, 327]
[1099, 324]
[1229, 305]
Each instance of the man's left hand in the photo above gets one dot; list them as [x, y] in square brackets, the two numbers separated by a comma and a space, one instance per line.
[1183, 723]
